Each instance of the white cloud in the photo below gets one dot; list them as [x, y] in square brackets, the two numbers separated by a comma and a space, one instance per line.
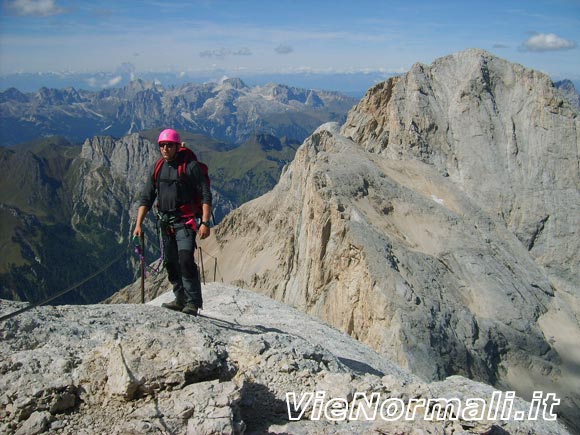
[548, 42]
[113, 82]
[92, 82]
[127, 69]
[244, 51]
[283, 49]
[43, 8]
[222, 53]
[95, 82]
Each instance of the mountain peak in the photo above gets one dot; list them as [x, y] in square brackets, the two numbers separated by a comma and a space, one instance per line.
[235, 83]
[140, 85]
[13, 94]
[444, 210]
[569, 91]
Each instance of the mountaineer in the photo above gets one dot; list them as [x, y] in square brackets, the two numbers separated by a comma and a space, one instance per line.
[181, 185]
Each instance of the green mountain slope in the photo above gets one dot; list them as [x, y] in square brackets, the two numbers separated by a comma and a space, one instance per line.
[35, 204]
[66, 211]
[252, 169]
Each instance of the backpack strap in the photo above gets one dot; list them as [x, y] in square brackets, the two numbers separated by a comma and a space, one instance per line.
[186, 155]
[157, 169]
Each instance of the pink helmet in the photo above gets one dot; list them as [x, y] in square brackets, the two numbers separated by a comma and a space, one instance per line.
[169, 135]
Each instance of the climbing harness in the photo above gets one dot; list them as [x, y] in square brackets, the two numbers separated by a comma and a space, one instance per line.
[166, 224]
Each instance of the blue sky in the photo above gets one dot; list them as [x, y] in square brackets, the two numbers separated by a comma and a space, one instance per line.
[272, 36]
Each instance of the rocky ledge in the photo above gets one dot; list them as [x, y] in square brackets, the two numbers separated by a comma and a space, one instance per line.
[247, 365]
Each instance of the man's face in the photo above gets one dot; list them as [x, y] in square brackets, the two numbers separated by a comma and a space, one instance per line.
[168, 150]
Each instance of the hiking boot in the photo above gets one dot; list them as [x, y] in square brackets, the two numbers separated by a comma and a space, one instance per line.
[174, 305]
[190, 309]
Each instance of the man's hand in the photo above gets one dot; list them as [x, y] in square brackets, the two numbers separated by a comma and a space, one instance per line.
[138, 232]
[204, 231]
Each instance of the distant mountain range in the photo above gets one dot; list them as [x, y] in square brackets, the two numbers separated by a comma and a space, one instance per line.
[354, 84]
[228, 110]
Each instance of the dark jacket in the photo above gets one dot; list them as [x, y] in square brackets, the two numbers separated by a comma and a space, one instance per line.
[173, 191]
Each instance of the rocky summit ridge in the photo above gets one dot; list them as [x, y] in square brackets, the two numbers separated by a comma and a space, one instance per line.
[438, 224]
[142, 369]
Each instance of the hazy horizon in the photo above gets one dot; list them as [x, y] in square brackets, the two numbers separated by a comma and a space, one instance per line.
[258, 38]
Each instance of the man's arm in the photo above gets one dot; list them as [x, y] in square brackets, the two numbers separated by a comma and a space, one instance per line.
[146, 200]
[206, 201]
[204, 230]
[141, 213]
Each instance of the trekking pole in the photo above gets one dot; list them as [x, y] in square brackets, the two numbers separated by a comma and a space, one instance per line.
[214, 268]
[142, 268]
[201, 264]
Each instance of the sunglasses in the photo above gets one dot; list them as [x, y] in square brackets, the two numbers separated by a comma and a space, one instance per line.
[167, 145]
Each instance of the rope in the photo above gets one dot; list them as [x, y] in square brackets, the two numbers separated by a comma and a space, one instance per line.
[207, 253]
[153, 267]
[63, 292]
[216, 268]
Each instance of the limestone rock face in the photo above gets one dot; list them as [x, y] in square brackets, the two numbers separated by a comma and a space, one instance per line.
[142, 369]
[439, 225]
[114, 172]
[502, 133]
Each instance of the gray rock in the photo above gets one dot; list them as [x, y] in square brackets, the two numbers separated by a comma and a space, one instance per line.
[142, 369]
[502, 133]
[37, 423]
[438, 225]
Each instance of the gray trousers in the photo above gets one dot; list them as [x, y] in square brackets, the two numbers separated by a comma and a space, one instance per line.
[179, 245]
